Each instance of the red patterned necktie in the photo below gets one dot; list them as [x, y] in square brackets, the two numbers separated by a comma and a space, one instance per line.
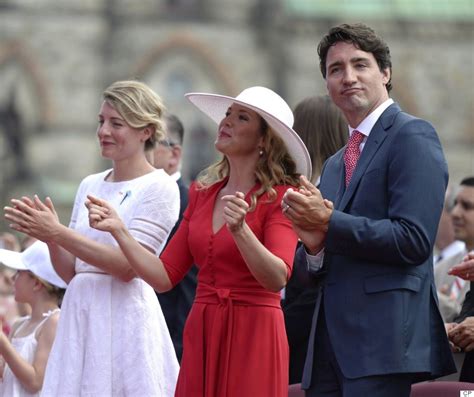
[352, 154]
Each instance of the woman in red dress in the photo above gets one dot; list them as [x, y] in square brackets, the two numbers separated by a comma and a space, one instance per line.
[233, 229]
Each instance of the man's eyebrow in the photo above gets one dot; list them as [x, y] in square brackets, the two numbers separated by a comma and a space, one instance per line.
[359, 59]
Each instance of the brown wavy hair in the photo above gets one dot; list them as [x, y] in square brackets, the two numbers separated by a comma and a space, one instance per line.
[275, 167]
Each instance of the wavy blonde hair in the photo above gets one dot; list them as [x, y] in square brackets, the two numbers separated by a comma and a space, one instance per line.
[139, 105]
[275, 167]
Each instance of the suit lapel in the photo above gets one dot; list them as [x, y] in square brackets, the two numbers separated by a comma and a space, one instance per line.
[339, 160]
[374, 141]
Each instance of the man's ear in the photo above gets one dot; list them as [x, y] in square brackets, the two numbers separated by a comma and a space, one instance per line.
[386, 75]
[177, 153]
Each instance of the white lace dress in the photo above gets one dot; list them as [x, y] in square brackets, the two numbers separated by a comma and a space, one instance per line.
[112, 339]
[26, 347]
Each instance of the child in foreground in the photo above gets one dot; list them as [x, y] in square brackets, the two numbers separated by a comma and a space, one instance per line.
[25, 353]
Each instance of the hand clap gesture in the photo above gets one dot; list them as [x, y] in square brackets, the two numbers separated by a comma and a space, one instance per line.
[102, 216]
[33, 217]
[235, 210]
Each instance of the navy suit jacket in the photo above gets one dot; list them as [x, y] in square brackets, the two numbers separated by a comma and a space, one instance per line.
[177, 302]
[377, 278]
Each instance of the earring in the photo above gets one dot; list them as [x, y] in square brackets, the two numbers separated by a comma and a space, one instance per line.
[260, 152]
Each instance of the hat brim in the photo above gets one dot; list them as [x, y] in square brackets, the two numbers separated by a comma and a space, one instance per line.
[215, 106]
[12, 259]
[38, 261]
[34, 259]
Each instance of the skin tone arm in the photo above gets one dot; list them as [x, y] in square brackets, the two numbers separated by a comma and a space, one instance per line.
[62, 260]
[269, 270]
[462, 334]
[39, 220]
[2, 360]
[449, 327]
[465, 269]
[145, 263]
[31, 375]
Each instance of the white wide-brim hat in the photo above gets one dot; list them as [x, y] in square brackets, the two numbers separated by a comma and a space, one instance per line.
[269, 105]
[36, 259]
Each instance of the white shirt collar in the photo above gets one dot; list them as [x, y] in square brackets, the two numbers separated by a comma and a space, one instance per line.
[452, 249]
[368, 123]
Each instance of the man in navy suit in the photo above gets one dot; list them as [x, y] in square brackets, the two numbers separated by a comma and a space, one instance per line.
[177, 302]
[368, 234]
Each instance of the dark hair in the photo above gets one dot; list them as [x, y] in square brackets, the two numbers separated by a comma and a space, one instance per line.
[174, 128]
[322, 127]
[363, 38]
[469, 181]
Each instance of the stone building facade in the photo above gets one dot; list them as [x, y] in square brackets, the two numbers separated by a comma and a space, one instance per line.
[57, 57]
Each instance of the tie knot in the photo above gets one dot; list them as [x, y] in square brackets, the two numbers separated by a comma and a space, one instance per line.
[356, 138]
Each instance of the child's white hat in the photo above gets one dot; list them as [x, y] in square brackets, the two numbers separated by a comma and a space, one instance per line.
[36, 259]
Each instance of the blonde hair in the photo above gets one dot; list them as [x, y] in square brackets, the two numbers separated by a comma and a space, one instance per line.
[275, 167]
[139, 105]
[51, 289]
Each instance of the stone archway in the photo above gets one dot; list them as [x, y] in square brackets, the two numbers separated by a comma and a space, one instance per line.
[183, 64]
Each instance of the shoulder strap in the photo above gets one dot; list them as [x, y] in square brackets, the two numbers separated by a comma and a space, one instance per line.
[46, 317]
[20, 326]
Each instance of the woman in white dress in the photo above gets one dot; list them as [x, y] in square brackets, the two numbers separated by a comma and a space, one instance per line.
[26, 352]
[112, 338]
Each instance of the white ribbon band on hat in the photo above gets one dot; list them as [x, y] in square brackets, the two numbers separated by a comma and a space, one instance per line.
[270, 106]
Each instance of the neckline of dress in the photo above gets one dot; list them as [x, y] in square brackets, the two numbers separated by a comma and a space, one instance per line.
[115, 183]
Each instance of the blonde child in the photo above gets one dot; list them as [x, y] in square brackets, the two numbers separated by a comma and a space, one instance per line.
[24, 355]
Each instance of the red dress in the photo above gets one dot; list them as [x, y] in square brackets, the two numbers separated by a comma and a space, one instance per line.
[234, 340]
